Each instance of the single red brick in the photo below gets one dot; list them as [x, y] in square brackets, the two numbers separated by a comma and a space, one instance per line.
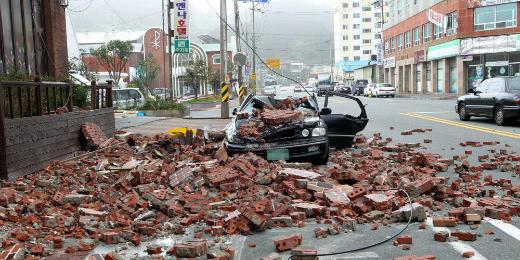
[441, 236]
[464, 236]
[468, 254]
[288, 243]
[444, 221]
[404, 240]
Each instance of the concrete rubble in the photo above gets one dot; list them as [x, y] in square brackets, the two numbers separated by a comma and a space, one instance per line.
[151, 187]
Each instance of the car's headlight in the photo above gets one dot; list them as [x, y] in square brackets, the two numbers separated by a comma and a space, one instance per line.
[305, 133]
[320, 131]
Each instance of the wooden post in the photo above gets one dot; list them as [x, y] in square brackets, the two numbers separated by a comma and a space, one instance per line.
[38, 95]
[93, 96]
[3, 148]
[110, 101]
[69, 96]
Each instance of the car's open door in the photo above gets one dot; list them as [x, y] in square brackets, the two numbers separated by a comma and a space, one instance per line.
[342, 128]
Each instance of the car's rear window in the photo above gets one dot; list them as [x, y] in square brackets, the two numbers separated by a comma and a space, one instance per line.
[513, 85]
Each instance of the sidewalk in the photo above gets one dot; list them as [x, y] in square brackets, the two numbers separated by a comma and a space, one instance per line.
[428, 96]
[161, 126]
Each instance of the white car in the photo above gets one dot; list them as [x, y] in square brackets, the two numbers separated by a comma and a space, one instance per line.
[379, 90]
[298, 88]
[269, 90]
[127, 98]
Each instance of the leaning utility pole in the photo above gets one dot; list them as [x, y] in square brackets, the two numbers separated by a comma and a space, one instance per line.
[241, 89]
[253, 76]
[224, 108]
[170, 54]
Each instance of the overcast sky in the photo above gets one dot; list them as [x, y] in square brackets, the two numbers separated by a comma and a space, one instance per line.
[286, 28]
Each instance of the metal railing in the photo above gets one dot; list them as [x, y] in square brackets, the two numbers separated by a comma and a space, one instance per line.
[36, 98]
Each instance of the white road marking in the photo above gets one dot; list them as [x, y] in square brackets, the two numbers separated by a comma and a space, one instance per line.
[460, 247]
[505, 227]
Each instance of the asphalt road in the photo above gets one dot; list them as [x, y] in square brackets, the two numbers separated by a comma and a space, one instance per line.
[407, 114]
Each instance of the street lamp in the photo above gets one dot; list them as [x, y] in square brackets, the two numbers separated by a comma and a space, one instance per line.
[63, 3]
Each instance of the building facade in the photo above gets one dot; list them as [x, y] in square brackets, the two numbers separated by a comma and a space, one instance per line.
[357, 34]
[449, 46]
[33, 38]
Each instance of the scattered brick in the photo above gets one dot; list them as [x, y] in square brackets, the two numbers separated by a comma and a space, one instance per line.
[288, 243]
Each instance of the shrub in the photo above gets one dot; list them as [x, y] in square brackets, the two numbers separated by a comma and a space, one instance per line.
[80, 95]
[202, 100]
[163, 105]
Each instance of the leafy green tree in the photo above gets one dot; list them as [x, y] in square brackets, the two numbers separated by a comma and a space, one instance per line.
[214, 79]
[113, 56]
[147, 72]
[196, 73]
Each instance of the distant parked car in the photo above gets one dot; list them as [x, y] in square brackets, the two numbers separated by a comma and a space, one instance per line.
[298, 88]
[342, 88]
[126, 98]
[496, 98]
[380, 90]
[359, 87]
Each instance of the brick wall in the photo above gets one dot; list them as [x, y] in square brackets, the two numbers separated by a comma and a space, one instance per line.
[56, 38]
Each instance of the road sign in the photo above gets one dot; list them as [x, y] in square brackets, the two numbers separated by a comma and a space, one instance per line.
[240, 59]
[273, 63]
[253, 77]
[182, 46]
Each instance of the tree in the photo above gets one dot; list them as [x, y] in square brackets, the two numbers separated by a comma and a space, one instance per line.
[214, 79]
[196, 72]
[147, 71]
[113, 56]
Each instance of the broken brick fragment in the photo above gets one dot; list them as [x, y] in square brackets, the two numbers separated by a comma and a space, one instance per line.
[288, 243]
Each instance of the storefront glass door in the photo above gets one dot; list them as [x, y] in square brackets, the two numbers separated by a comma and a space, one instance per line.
[453, 76]
[440, 77]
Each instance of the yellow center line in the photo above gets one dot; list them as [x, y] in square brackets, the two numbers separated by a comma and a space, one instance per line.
[464, 125]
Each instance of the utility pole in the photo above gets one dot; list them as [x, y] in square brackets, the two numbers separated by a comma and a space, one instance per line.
[224, 108]
[170, 54]
[254, 50]
[242, 91]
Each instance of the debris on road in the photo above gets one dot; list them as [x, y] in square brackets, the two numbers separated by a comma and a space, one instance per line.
[151, 187]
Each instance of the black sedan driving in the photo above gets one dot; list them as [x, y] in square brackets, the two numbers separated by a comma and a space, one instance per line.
[496, 98]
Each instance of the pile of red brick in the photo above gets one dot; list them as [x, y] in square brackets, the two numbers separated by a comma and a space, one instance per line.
[155, 186]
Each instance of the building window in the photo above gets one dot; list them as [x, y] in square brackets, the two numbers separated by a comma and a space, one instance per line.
[357, 37]
[495, 17]
[393, 44]
[437, 31]
[345, 16]
[357, 48]
[345, 5]
[367, 52]
[345, 27]
[356, 15]
[355, 4]
[367, 30]
[216, 59]
[345, 48]
[367, 41]
[345, 37]
[377, 15]
[367, 8]
[377, 36]
[400, 42]
[427, 34]
[345, 58]
[356, 26]
[367, 20]
[356, 58]
[452, 24]
[417, 36]
[408, 39]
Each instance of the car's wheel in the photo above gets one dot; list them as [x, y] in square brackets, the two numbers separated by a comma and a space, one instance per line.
[499, 116]
[463, 114]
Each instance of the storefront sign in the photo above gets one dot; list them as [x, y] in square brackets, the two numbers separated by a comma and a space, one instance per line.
[181, 26]
[479, 3]
[436, 18]
[497, 63]
[493, 44]
[444, 50]
[380, 54]
[467, 58]
[389, 62]
[419, 56]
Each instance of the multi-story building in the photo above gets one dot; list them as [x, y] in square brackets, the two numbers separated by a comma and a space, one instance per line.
[448, 46]
[357, 34]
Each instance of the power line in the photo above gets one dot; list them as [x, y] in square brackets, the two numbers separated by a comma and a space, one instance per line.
[89, 4]
[115, 12]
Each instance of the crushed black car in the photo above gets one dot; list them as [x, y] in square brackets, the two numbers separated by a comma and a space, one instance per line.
[292, 129]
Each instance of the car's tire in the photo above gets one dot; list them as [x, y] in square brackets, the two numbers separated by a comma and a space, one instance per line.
[463, 114]
[499, 116]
